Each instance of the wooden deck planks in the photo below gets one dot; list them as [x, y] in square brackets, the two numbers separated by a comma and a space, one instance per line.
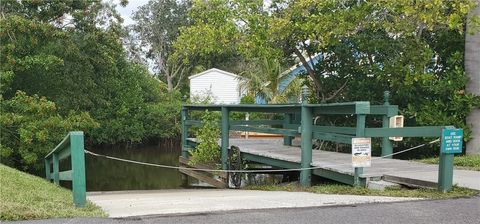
[338, 162]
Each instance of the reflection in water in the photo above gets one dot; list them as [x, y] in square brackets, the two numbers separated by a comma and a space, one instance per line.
[109, 175]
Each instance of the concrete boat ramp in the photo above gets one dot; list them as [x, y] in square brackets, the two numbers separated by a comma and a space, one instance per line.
[194, 201]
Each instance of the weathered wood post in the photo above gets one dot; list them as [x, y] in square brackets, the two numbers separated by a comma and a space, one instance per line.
[225, 137]
[184, 116]
[451, 143]
[47, 169]
[387, 148]
[78, 168]
[184, 144]
[287, 140]
[306, 145]
[445, 172]
[56, 169]
[360, 132]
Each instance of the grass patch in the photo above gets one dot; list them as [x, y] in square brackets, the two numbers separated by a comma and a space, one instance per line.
[470, 162]
[390, 192]
[24, 197]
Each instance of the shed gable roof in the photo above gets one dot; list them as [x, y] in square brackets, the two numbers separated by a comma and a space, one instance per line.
[214, 70]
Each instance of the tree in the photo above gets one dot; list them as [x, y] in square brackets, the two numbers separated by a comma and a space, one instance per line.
[81, 65]
[297, 30]
[472, 68]
[31, 127]
[414, 49]
[157, 26]
[262, 78]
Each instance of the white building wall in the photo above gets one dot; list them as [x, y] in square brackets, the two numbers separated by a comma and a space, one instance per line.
[222, 87]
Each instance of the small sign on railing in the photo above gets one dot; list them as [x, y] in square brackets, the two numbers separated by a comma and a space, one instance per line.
[452, 140]
[361, 152]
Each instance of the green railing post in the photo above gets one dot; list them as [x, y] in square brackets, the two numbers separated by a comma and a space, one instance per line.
[56, 169]
[360, 132]
[445, 172]
[387, 148]
[184, 144]
[225, 137]
[184, 115]
[451, 142]
[306, 146]
[287, 140]
[47, 169]
[78, 168]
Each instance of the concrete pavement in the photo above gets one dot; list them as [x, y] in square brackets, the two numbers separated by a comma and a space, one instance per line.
[462, 178]
[190, 201]
[458, 211]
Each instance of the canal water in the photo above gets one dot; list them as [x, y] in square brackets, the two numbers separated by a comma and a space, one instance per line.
[109, 175]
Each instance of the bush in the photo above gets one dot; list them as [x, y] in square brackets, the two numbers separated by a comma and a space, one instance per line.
[207, 151]
[31, 127]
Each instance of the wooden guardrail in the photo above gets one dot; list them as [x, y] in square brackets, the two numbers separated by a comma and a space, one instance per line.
[71, 146]
[298, 121]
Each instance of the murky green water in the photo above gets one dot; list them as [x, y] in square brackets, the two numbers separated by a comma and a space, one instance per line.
[110, 175]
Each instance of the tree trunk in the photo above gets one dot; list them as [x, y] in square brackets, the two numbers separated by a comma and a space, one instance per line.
[169, 83]
[472, 69]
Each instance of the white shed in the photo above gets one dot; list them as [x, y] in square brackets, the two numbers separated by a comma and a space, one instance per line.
[220, 86]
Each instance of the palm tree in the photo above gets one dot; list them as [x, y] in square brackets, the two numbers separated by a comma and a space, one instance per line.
[262, 77]
[472, 69]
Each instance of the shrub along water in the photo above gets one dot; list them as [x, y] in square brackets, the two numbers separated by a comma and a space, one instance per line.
[49, 69]
[207, 151]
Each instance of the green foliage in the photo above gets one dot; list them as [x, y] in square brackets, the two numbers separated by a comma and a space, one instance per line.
[413, 49]
[27, 197]
[207, 151]
[80, 64]
[156, 26]
[247, 99]
[31, 127]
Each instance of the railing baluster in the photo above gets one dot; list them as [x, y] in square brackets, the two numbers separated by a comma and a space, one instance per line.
[47, 169]
[287, 140]
[306, 154]
[56, 175]
[72, 145]
[225, 137]
[78, 167]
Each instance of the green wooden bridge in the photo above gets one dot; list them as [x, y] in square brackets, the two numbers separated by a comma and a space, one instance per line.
[298, 121]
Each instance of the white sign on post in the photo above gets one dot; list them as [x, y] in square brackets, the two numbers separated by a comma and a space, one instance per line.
[361, 152]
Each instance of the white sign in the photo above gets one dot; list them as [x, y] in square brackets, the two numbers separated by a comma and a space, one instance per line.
[361, 152]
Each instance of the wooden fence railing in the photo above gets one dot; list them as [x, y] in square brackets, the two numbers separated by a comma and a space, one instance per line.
[71, 146]
[298, 121]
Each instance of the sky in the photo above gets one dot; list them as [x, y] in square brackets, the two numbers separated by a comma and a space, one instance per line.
[127, 11]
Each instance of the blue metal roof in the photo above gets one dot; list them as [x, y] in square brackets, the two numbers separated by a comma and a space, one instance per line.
[290, 75]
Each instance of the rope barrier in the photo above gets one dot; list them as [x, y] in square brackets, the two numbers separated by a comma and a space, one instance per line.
[247, 171]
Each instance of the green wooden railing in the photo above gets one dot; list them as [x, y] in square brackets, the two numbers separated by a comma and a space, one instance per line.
[71, 146]
[298, 121]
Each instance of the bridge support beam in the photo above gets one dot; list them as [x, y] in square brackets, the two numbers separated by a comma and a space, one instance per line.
[79, 185]
[56, 169]
[184, 142]
[184, 117]
[445, 172]
[360, 132]
[225, 137]
[387, 148]
[287, 140]
[306, 156]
